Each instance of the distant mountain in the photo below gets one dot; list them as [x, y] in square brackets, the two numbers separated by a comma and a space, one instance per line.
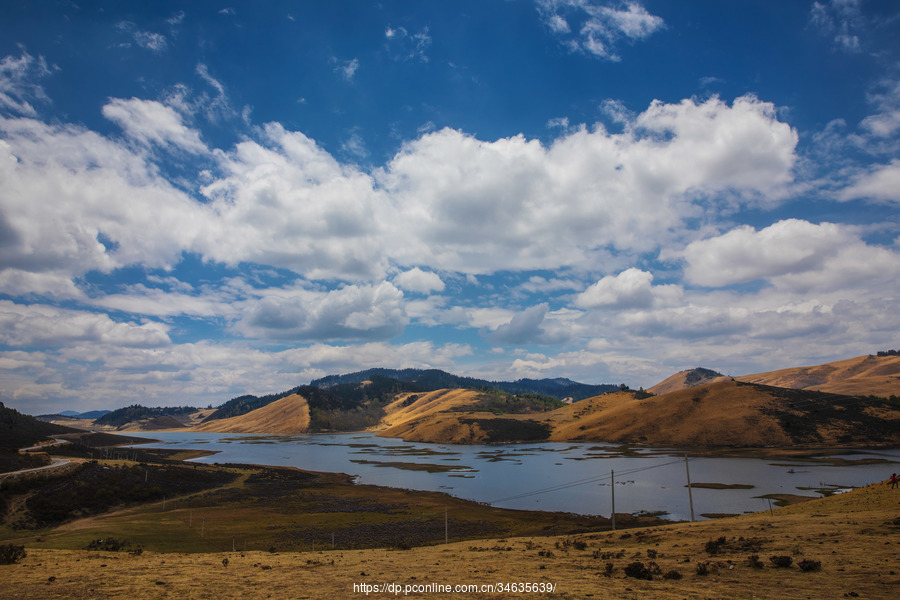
[91, 414]
[19, 431]
[429, 380]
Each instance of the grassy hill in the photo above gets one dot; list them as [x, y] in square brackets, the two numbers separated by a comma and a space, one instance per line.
[19, 431]
[859, 376]
[720, 414]
[686, 379]
[288, 415]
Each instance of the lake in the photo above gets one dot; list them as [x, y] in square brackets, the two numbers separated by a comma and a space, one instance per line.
[570, 477]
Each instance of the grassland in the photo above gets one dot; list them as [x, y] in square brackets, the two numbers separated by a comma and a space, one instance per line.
[847, 546]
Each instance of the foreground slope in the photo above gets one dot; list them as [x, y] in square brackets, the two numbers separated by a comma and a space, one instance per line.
[859, 376]
[288, 415]
[844, 546]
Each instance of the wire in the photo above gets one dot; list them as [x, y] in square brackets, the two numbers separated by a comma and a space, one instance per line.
[579, 482]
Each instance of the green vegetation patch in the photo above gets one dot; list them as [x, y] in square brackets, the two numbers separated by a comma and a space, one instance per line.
[501, 430]
[722, 486]
[410, 466]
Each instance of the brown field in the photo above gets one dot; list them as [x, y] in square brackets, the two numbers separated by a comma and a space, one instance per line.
[853, 537]
[678, 381]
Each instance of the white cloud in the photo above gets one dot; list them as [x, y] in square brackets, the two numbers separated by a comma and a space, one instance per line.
[18, 87]
[793, 255]
[478, 207]
[841, 20]
[351, 312]
[75, 201]
[42, 325]
[404, 45]
[417, 280]
[881, 182]
[603, 25]
[290, 204]
[155, 42]
[346, 69]
[630, 288]
[149, 122]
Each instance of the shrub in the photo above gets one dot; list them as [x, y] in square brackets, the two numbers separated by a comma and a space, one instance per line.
[675, 575]
[806, 565]
[714, 546]
[755, 562]
[781, 562]
[10, 553]
[703, 568]
[638, 570]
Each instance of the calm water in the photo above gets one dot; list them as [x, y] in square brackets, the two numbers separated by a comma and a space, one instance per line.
[571, 477]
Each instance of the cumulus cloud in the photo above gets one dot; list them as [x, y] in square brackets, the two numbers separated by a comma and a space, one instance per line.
[417, 280]
[478, 207]
[352, 312]
[792, 254]
[42, 325]
[290, 204]
[601, 26]
[630, 288]
[151, 123]
[75, 201]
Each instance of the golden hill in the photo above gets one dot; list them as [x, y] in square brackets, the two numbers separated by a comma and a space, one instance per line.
[286, 416]
[860, 376]
[724, 413]
[685, 379]
[410, 407]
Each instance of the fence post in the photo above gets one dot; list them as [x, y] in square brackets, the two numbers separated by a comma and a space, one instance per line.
[690, 494]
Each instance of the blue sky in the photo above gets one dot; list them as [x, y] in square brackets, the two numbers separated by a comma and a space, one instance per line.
[201, 200]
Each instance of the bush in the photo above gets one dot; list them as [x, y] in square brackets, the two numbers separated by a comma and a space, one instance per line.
[674, 575]
[755, 562]
[781, 562]
[714, 546]
[10, 553]
[703, 568]
[806, 565]
[638, 570]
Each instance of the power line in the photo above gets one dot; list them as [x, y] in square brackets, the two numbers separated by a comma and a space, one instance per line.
[579, 482]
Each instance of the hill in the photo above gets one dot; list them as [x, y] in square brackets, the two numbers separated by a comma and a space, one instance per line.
[288, 415]
[686, 379]
[142, 417]
[720, 414]
[429, 380]
[20, 431]
[860, 376]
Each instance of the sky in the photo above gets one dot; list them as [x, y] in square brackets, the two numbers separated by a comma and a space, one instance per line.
[200, 200]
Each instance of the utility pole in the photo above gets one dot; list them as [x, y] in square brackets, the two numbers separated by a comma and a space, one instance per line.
[446, 531]
[612, 486]
[690, 494]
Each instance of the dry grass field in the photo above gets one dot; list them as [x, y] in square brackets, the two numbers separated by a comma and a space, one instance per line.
[862, 375]
[840, 547]
[289, 415]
